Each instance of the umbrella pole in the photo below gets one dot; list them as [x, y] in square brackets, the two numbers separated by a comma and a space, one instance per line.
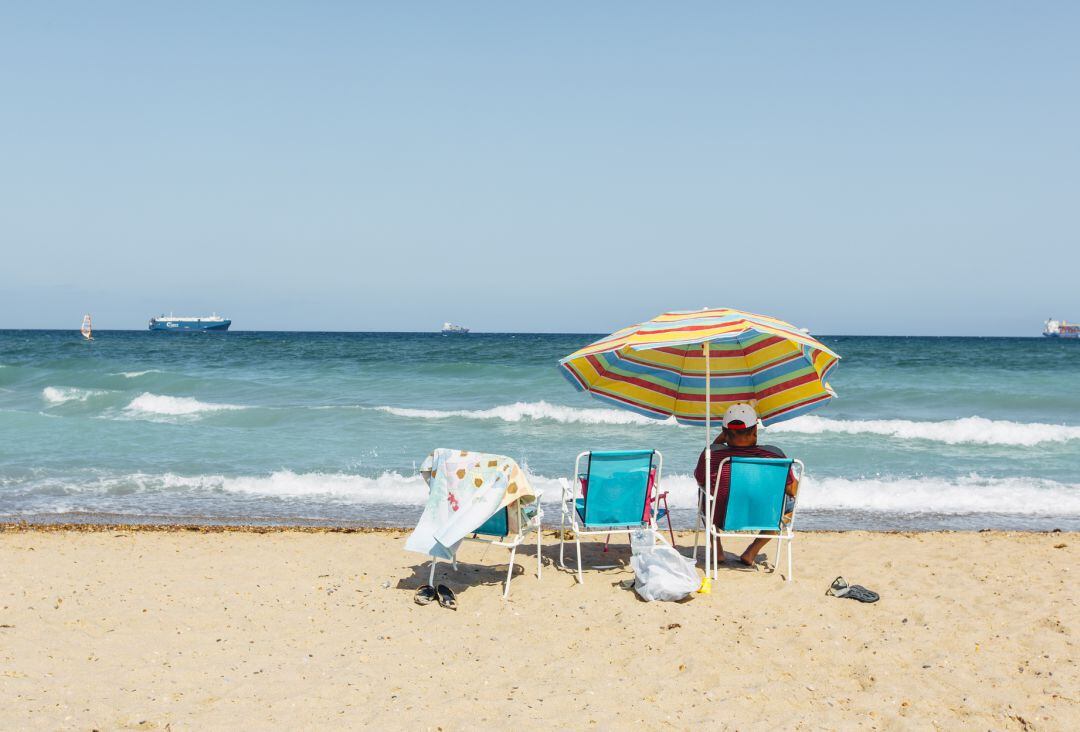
[708, 463]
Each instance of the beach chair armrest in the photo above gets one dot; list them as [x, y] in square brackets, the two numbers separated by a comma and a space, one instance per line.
[567, 493]
[534, 512]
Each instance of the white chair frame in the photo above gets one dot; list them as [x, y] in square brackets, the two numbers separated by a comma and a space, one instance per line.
[785, 532]
[525, 525]
[569, 510]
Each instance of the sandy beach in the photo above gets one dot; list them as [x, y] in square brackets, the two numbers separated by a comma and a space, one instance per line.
[125, 628]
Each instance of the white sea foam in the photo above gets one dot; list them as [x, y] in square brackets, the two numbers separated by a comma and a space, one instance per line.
[925, 495]
[391, 487]
[388, 488]
[969, 430]
[876, 495]
[970, 494]
[55, 395]
[136, 374]
[147, 404]
[530, 410]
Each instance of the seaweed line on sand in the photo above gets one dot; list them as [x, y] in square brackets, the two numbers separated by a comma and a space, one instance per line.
[14, 527]
[26, 527]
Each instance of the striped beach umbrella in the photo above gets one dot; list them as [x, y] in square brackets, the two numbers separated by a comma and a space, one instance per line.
[693, 365]
[659, 368]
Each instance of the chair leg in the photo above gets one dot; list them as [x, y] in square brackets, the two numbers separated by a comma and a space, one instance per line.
[696, 535]
[789, 569]
[580, 574]
[667, 512]
[539, 556]
[510, 572]
[715, 557]
[606, 540]
[562, 539]
[431, 575]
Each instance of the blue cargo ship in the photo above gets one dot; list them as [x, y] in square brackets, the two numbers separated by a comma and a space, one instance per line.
[176, 323]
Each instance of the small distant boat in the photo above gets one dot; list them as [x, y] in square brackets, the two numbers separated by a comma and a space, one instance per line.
[178, 323]
[1061, 329]
[87, 328]
[451, 329]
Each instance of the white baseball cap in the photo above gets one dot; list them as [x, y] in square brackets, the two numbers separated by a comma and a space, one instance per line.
[743, 414]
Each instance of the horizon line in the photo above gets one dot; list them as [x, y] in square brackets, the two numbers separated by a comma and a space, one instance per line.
[492, 332]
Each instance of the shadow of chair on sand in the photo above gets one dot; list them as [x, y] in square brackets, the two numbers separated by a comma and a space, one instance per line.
[485, 565]
[480, 565]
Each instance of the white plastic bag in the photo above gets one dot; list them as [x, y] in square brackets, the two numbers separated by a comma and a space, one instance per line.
[661, 573]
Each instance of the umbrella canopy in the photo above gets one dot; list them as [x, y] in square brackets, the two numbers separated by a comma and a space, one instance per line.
[659, 368]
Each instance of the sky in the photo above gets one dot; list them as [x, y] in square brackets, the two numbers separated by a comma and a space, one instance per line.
[854, 168]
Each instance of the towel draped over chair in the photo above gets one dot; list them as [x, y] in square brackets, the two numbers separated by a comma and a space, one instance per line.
[465, 489]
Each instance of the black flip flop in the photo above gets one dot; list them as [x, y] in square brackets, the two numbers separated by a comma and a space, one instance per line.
[447, 598]
[426, 595]
[840, 588]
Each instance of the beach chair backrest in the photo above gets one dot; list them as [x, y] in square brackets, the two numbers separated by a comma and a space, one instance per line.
[618, 484]
[498, 524]
[756, 493]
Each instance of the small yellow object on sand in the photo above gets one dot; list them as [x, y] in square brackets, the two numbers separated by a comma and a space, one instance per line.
[706, 586]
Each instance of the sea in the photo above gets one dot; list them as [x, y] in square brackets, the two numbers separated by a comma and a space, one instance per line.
[329, 428]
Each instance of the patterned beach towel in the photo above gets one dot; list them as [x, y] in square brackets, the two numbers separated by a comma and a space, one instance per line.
[465, 489]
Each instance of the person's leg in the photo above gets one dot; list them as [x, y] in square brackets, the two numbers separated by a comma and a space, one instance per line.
[751, 552]
[757, 545]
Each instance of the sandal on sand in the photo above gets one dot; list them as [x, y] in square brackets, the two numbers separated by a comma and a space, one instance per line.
[425, 595]
[447, 598]
[840, 588]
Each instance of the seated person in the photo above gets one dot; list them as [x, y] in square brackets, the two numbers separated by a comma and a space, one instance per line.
[739, 439]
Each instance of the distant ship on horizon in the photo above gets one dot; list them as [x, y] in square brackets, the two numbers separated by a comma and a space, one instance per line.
[176, 323]
[1061, 329]
[450, 328]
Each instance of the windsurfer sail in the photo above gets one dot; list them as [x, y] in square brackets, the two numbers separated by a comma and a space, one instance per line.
[86, 329]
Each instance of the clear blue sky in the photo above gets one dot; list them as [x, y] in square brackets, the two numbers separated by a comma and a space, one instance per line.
[892, 168]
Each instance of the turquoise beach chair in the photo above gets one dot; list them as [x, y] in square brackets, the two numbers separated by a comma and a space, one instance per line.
[619, 491]
[497, 529]
[757, 502]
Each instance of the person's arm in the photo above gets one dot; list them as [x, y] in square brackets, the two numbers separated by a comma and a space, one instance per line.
[699, 471]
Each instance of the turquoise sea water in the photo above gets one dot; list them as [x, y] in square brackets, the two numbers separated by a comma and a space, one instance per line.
[329, 427]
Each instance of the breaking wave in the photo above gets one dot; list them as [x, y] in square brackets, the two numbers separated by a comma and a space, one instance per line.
[896, 495]
[965, 495]
[147, 404]
[56, 395]
[529, 410]
[968, 430]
